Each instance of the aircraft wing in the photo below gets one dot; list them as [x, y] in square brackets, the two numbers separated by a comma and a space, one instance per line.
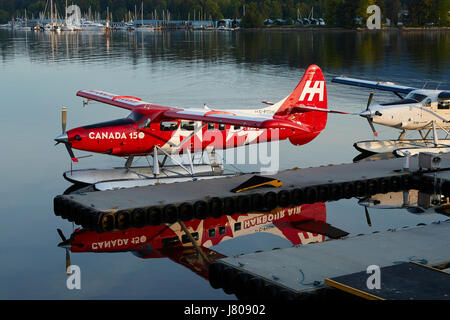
[205, 115]
[244, 120]
[386, 86]
[125, 102]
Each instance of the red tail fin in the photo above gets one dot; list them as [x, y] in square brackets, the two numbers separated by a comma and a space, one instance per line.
[311, 91]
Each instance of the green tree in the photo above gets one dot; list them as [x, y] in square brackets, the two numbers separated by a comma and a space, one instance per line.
[4, 16]
[443, 8]
[392, 11]
[331, 11]
[420, 11]
[252, 18]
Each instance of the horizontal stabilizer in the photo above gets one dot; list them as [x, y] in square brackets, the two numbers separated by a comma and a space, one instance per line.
[320, 227]
[300, 108]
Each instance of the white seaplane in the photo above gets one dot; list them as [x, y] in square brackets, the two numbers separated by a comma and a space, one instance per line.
[422, 110]
[414, 201]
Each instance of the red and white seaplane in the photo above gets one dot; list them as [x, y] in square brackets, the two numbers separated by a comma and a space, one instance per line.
[151, 129]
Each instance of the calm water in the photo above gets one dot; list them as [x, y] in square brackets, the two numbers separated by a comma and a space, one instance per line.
[40, 73]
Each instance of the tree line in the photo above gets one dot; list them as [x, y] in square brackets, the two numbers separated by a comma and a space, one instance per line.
[340, 13]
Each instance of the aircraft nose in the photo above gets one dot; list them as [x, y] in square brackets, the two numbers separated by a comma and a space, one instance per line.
[66, 244]
[62, 138]
[370, 113]
[366, 114]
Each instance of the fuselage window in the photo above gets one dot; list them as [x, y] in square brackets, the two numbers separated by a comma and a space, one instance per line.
[237, 127]
[221, 127]
[212, 233]
[187, 125]
[222, 230]
[185, 238]
[443, 104]
[211, 126]
[169, 125]
[237, 226]
[169, 242]
[195, 236]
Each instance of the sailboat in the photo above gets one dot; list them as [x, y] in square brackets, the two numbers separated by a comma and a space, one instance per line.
[142, 27]
[66, 26]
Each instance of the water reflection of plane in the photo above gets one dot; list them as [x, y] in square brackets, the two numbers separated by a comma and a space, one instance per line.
[299, 225]
[366, 156]
[414, 201]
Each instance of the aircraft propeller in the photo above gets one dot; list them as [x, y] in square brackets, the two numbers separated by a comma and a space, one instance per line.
[369, 115]
[369, 222]
[365, 203]
[63, 138]
[65, 244]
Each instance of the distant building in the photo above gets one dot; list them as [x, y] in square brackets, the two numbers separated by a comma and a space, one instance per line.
[403, 16]
[228, 23]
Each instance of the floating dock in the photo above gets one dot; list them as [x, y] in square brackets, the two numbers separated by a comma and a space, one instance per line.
[413, 264]
[152, 205]
[411, 260]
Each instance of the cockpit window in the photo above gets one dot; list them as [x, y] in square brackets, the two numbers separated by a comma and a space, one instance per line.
[146, 123]
[136, 117]
[415, 96]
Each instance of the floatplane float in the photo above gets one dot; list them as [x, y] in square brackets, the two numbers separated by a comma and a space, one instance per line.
[422, 110]
[154, 130]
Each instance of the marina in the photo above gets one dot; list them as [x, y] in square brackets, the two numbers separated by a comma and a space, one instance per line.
[162, 240]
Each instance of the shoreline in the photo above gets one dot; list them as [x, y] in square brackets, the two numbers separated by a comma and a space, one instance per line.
[340, 29]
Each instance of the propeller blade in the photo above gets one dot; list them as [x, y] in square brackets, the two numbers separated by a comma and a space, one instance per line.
[64, 119]
[68, 263]
[69, 149]
[61, 235]
[369, 223]
[370, 100]
[375, 133]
